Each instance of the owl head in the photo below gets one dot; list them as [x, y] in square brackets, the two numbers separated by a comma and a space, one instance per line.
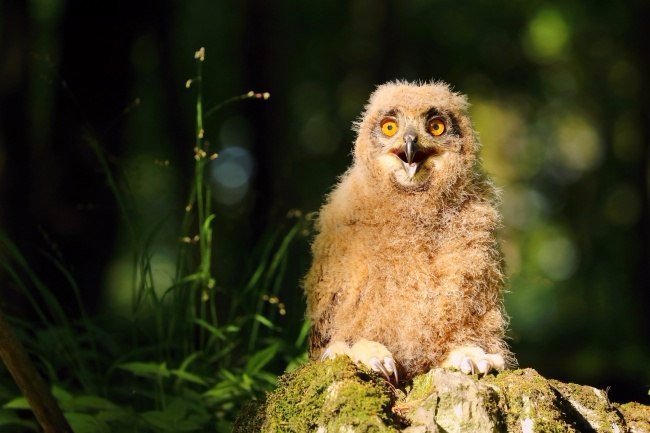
[415, 137]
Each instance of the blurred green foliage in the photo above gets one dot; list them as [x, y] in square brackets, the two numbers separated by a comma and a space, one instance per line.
[559, 97]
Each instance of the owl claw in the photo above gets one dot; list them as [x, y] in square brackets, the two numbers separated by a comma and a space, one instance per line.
[376, 365]
[375, 356]
[473, 360]
[325, 355]
[390, 363]
[370, 353]
[335, 349]
[483, 366]
[467, 366]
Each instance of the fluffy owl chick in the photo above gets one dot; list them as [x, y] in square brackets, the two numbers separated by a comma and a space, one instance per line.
[406, 273]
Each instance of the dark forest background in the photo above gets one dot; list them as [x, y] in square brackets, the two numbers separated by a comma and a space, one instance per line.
[559, 94]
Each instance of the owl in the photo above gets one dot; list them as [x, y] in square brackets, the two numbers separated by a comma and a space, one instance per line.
[406, 272]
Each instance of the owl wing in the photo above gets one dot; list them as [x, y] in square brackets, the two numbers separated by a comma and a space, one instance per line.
[320, 305]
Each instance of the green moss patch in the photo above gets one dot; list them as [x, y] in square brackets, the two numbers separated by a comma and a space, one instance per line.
[532, 405]
[329, 396]
[637, 416]
[591, 405]
[336, 396]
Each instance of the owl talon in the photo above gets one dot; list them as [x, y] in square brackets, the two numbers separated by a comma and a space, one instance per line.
[390, 364]
[375, 356]
[335, 349]
[467, 366]
[483, 366]
[377, 366]
[473, 360]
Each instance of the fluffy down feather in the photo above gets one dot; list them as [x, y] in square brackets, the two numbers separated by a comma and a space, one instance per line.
[411, 263]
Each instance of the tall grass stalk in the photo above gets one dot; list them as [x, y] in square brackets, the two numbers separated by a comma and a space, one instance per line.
[186, 356]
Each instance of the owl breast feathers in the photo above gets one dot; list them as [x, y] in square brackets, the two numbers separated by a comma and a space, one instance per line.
[406, 271]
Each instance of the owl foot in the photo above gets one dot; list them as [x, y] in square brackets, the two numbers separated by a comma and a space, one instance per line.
[473, 360]
[335, 349]
[376, 357]
[373, 355]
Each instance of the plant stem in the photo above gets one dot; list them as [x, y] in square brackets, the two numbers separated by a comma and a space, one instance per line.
[30, 383]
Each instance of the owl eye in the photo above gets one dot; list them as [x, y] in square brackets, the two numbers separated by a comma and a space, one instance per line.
[436, 126]
[388, 126]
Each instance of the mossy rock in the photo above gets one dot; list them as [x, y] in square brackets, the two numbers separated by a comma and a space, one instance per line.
[329, 396]
[452, 402]
[336, 396]
[591, 407]
[637, 417]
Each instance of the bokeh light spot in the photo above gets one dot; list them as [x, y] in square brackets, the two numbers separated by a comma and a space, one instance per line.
[547, 35]
[231, 175]
[579, 146]
[502, 135]
[557, 257]
[522, 206]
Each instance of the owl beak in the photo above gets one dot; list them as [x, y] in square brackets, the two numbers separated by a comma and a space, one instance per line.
[411, 148]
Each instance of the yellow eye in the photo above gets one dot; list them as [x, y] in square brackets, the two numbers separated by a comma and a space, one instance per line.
[388, 127]
[436, 126]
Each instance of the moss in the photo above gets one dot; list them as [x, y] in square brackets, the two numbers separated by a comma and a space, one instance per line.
[422, 387]
[591, 405]
[334, 395]
[453, 402]
[637, 416]
[337, 397]
[531, 403]
[250, 417]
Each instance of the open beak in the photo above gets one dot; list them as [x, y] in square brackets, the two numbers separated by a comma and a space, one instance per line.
[410, 149]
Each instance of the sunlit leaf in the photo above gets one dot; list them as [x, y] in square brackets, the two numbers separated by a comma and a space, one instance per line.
[17, 403]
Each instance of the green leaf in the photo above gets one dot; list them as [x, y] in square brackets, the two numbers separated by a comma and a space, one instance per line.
[8, 417]
[210, 328]
[304, 331]
[174, 418]
[188, 377]
[223, 392]
[264, 321]
[190, 359]
[84, 423]
[92, 402]
[117, 415]
[260, 359]
[17, 403]
[146, 369]
[61, 395]
[269, 378]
